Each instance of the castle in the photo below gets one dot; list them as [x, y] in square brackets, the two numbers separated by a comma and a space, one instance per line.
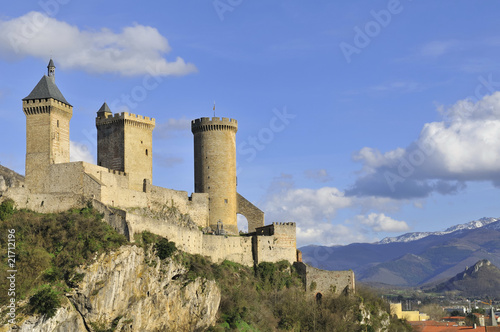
[121, 186]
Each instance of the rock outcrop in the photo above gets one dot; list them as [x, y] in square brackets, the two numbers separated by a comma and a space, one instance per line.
[9, 179]
[130, 290]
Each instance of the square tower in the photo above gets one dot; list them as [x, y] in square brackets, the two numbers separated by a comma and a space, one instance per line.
[125, 143]
[47, 130]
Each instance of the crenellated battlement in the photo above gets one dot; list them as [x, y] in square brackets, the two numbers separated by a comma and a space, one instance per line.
[129, 118]
[215, 123]
[292, 224]
[37, 106]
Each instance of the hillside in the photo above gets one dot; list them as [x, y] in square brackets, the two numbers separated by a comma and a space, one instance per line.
[480, 280]
[413, 259]
[80, 275]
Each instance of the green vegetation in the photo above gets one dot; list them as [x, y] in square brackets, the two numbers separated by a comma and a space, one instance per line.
[6, 209]
[162, 247]
[48, 249]
[272, 297]
[268, 297]
[45, 302]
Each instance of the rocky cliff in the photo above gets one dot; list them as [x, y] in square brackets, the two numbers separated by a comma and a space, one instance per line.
[130, 290]
[9, 179]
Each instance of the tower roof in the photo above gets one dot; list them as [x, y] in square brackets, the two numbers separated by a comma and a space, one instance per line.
[51, 64]
[104, 109]
[46, 88]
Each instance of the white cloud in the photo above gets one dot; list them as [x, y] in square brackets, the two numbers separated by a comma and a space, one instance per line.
[307, 206]
[80, 152]
[314, 211]
[379, 222]
[373, 158]
[465, 146]
[319, 175]
[135, 50]
[173, 126]
[438, 47]
[329, 235]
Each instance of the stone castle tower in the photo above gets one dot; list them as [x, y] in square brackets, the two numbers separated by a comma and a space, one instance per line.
[47, 130]
[125, 143]
[215, 168]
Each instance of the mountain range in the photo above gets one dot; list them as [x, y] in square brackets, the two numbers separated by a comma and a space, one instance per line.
[413, 259]
[481, 280]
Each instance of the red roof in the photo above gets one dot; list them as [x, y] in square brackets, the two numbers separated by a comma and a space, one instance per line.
[432, 326]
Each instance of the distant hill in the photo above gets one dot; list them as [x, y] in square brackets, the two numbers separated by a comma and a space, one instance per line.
[420, 235]
[413, 259]
[480, 280]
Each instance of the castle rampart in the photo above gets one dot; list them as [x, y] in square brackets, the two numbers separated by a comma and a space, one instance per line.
[215, 123]
[120, 186]
[326, 282]
[275, 242]
[131, 118]
[38, 106]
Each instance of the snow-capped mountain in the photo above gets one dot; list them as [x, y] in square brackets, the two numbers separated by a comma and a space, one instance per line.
[408, 237]
[415, 258]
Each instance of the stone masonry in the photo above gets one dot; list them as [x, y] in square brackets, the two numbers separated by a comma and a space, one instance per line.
[121, 188]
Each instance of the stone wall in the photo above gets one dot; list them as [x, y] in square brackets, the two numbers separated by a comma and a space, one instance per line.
[187, 239]
[254, 215]
[233, 248]
[326, 282]
[116, 218]
[195, 205]
[166, 212]
[275, 242]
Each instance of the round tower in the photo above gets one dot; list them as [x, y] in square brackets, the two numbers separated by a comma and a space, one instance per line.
[215, 169]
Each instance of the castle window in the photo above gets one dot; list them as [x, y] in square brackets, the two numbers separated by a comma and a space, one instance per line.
[146, 152]
[57, 123]
[225, 201]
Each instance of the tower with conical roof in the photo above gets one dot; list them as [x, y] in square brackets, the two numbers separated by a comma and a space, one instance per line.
[48, 115]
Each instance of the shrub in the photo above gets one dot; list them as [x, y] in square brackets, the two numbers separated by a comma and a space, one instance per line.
[6, 209]
[49, 247]
[45, 302]
[149, 238]
[164, 248]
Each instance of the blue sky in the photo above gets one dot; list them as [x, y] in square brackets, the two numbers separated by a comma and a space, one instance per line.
[357, 119]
